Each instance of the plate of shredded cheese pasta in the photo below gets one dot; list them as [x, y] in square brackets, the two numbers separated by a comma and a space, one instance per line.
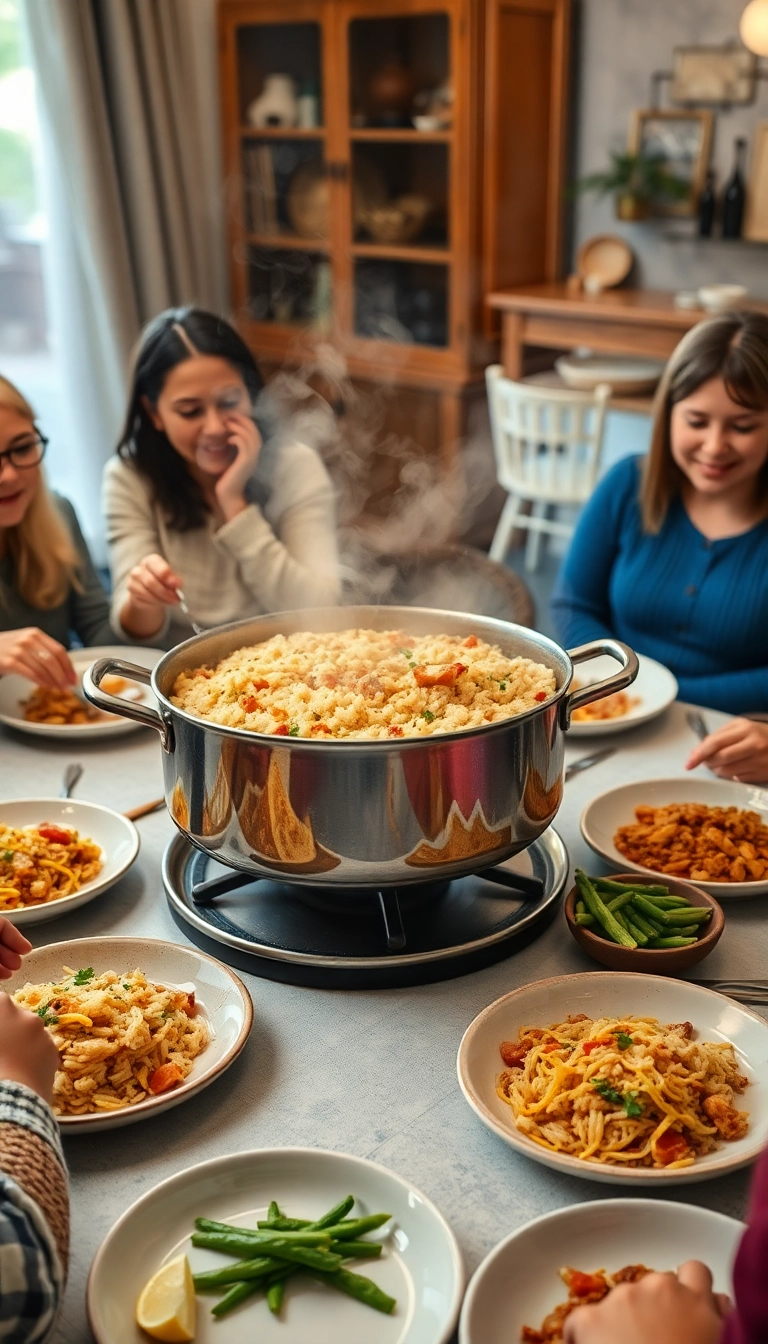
[57, 854]
[652, 691]
[140, 1025]
[631, 1079]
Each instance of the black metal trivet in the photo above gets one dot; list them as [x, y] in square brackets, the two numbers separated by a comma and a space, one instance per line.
[331, 937]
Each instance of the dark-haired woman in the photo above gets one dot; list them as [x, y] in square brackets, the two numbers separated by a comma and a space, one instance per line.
[198, 500]
[671, 552]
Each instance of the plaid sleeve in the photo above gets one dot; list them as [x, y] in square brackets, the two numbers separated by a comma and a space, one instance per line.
[31, 1272]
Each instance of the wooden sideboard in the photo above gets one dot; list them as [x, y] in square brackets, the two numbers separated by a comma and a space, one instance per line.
[618, 321]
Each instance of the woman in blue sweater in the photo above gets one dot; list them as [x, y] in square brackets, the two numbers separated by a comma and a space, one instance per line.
[671, 552]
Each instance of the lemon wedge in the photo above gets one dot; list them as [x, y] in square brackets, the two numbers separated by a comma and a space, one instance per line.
[167, 1308]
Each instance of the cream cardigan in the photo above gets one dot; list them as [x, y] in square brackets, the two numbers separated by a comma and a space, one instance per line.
[272, 558]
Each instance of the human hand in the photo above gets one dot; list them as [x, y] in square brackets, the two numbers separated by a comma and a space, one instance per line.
[230, 486]
[738, 750]
[665, 1308]
[31, 653]
[152, 584]
[27, 1052]
[13, 946]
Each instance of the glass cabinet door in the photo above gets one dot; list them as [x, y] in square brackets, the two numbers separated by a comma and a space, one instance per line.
[400, 128]
[284, 183]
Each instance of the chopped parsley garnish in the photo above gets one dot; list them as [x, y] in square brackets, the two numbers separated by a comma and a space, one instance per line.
[126, 986]
[502, 685]
[8, 855]
[407, 653]
[43, 1013]
[608, 1093]
[623, 1040]
[293, 731]
[632, 1108]
[84, 976]
[428, 715]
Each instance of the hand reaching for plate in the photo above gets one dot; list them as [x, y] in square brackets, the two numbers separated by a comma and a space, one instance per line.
[738, 750]
[665, 1308]
[31, 653]
[13, 946]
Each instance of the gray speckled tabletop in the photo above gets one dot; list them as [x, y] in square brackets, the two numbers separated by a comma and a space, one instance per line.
[369, 1073]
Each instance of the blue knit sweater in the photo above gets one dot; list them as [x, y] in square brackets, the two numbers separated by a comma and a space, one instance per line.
[698, 606]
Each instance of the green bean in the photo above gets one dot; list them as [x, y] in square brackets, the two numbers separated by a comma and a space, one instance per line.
[694, 914]
[275, 1295]
[258, 1268]
[584, 921]
[352, 1228]
[620, 918]
[581, 908]
[273, 1212]
[640, 937]
[651, 911]
[687, 930]
[247, 1247]
[238, 1293]
[596, 906]
[617, 902]
[607, 884]
[282, 1224]
[363, 1250]
[357, 1286]
[675, 941]
[336, 1214]
[667, 902]
[651, 930]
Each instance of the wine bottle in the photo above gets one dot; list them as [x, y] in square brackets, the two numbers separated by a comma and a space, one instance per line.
[735, 194]
[707, 206]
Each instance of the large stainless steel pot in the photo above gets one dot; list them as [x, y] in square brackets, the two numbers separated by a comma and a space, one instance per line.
[362, 813]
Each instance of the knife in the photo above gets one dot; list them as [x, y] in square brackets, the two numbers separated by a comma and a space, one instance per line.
[585, 762]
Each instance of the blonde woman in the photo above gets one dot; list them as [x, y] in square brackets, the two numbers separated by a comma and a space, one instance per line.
[49, 590]
[671, 552]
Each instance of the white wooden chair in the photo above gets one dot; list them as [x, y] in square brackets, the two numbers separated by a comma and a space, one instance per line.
[547, 444]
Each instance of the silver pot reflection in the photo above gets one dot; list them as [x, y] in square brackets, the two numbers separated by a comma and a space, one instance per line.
[359, 813]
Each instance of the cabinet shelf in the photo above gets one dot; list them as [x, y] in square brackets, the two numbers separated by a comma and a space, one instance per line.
[282, 133]
[403, 135]
[399, 252]
[281, 241]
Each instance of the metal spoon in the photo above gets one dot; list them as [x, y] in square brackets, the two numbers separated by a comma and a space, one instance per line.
[71, 776]
[198, 629]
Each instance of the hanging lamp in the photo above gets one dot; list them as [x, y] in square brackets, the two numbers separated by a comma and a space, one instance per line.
[753, 27]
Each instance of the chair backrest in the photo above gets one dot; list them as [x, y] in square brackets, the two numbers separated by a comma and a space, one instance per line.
[547, 441]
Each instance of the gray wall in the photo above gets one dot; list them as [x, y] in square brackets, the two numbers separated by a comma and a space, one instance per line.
[619, 43]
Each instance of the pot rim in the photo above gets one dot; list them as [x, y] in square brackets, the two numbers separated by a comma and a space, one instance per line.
[357, 743]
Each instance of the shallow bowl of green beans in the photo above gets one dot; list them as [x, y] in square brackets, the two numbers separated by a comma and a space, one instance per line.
[631, 924]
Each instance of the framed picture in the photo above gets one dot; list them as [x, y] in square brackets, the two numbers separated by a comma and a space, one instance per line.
[756, 215]
[684, 141]
[713, 75]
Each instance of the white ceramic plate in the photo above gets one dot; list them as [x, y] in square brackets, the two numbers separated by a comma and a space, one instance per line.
[598, 994]
[220, 997]
[420, 1266]
[14, 689]
[654, 689]
[518, 1283]
[624, 375]
[115, 835]
[602, 817]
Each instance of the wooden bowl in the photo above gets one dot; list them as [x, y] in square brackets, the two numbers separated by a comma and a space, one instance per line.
[654, 961]
[605, 259]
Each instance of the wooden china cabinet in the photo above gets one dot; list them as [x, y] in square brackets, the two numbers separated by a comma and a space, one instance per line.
[431, 176]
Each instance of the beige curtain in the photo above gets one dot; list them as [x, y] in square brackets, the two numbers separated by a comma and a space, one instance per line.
[129, 109]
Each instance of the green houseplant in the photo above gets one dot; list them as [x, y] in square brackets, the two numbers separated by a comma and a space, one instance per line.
[636, 180]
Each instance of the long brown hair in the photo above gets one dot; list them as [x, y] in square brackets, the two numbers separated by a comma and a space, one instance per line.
[45, 560]
[731, 346]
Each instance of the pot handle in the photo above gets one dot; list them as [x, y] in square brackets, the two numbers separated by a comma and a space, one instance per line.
[146, 715]
[615, 649]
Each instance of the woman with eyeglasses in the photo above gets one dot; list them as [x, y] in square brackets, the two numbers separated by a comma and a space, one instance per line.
[49, 589]
[211, 515]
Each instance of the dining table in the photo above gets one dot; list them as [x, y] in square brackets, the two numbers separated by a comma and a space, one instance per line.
[367, 1072]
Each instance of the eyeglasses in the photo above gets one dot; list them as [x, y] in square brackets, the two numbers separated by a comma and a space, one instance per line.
[29, 453]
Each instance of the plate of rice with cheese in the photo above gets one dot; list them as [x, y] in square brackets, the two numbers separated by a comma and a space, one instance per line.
[364, 684]
[140, 1025]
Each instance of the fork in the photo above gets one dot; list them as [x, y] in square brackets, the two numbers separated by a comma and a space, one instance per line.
[745, 991]
[198, 629]
[697, 723]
